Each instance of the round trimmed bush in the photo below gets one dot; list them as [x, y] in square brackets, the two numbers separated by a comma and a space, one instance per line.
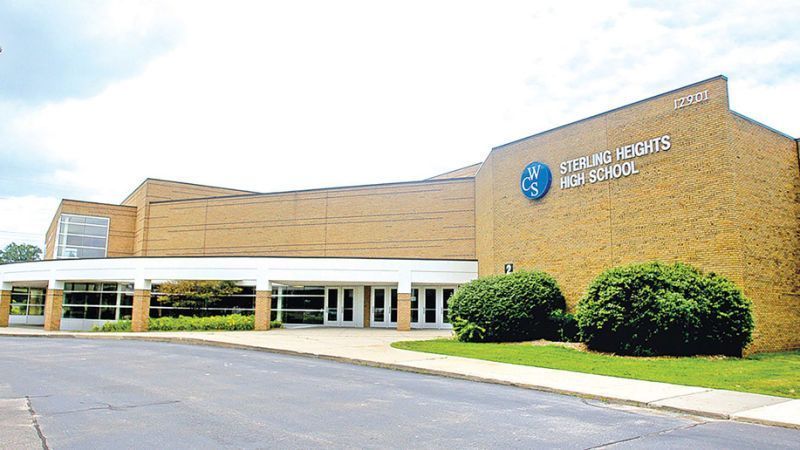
[659, 309]
[513, 307]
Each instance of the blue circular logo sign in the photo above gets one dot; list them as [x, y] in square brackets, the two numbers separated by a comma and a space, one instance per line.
[535, 180]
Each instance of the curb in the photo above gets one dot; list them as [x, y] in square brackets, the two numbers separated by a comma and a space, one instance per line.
[411, 369]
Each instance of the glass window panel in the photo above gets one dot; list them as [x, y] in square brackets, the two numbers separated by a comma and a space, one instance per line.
[93, 312]
[108, 298]
[430, 305]
[447, 293]
[74, 240]
[74, 312]
[82, 237]
[95, 231]
[108, 313]
[347, 305]
[333, 303]
[126, 300]
[125, 313]
[99, 242]
[35, 310]
[92, 298]
[18, 309]
[110, 287]
[394, 305]
[378, 305]
[71, 228]
[37, 297]
[415, 305]
[91, 253]
[96, 220]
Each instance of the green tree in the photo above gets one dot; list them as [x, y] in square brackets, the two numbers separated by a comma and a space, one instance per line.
[195, 294]
[20, 253]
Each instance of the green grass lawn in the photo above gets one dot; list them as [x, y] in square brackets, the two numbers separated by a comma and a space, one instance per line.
[766, 373]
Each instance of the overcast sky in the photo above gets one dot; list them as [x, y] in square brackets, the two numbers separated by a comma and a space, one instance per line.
[95, 96]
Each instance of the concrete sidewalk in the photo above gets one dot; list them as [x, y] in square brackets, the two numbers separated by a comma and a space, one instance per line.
[372, 347]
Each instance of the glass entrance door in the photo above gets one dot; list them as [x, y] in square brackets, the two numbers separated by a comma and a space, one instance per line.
[340, 306]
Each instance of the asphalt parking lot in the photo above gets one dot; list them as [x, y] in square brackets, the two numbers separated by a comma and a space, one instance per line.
[74, 393]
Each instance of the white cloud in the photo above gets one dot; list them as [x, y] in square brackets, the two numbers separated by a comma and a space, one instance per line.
[274, 96]
[25, 219]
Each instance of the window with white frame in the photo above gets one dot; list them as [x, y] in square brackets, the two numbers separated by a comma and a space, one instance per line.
[82, 236]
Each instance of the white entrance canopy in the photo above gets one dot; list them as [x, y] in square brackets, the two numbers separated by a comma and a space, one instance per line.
[257, 271]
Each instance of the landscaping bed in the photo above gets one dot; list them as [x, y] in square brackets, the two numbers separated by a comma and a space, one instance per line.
[767, 373]
[232, 322]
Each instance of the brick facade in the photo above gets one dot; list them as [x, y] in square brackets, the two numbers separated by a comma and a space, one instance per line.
[725, 197]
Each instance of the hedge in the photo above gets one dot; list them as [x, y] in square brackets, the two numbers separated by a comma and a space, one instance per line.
[513, 307]
[659, 309]
[232, 322]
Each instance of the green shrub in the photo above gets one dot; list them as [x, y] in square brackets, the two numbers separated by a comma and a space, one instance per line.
[513, 307]
[565, 326]
[119, 325]
[232, 322]
[659, 309]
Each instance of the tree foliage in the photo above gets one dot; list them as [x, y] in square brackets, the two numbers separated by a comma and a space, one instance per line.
[20, 253]
[195, 294]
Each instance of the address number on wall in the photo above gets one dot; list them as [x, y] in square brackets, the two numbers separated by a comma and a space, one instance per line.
[691, 99]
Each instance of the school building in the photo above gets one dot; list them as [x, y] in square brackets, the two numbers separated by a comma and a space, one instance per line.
[675, 177]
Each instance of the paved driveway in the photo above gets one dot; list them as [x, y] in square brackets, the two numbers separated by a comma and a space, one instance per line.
[129, 394]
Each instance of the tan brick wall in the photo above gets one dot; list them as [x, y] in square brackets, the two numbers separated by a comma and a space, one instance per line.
[263, 310]
[682, 206]
[140, 316]
[158, 190]
[53, 301]
[403, 312]
[121, 228]
[767, 188]
[5, 307]
[416, 220]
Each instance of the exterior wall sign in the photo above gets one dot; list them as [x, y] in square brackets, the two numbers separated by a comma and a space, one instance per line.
[535, 180]
[608, 164]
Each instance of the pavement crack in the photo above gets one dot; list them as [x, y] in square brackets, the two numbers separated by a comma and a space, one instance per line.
[36, 423]
[110, 407]
[645, 435]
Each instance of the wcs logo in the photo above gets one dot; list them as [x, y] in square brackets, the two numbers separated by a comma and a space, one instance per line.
[535, 180]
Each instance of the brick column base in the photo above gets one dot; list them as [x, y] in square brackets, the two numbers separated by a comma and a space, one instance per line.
[263, 310]
[140, 319]
[53, 300]
[5, 307]
[403, 312]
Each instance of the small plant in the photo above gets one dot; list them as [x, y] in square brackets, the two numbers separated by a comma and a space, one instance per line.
[467, 331]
